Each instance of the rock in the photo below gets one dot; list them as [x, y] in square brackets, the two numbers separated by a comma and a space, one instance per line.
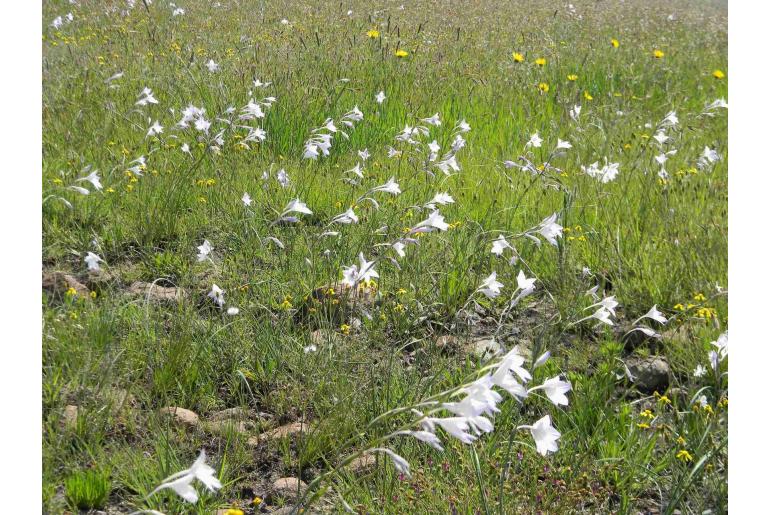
[224, 427]
[447, 343]
[70, 416]
[155, 293]
[322, 337]
[362, 464]
[233, 413]
[650, 374]
[288, 488]
[484, 348]
[58, 283]
[279, 433]
[181, 415]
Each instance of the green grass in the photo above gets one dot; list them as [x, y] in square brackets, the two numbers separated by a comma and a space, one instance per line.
[646, 240]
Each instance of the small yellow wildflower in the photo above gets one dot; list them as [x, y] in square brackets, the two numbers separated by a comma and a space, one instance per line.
[679, 307]
[517, 57]
[540, 61]
[543, 86]
[615, 43]
[663, 399]
[92, 294]
[572, 77]
[681, 441]
[71, 292]
[587, 95]
[399, 308]
[202, 200]
[345, 329]
[401, 53]
[285, 305]
[257, 500]
[643, 425]
[718, 74]
[400, 291]
[373, 33]
[647, 414]
[57, 181]
[110, 190]
[658, 54]
[234, 511]
[708, 409]
[684, 456]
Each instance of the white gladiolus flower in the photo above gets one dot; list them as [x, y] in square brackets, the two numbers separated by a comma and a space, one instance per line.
[491, 286]
[92, 261]
[389, 187]
[555, 389]
[181, 482]
[297, 206]
[434, 221]
[204, 250]
[539, 362]
[348, 217]
[441, 199]
[246, 199]
[433, 120]
[604, 174]
[534, 141]
[400, 463]
[721, 345]
[550, 230]
[699, 371]
[380, 97]
[653, 314]
[424, 436]
[217, 294]
[309, 349]
[563, 145]
[545, 435]
[352, 275]
[155, 129]
[212, 66]
[574, 113]
[499, 245]
[146, 97]
[232, 311]
[458, 427]
[93, 178]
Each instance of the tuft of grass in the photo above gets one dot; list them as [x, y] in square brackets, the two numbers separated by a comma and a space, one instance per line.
[88, 489]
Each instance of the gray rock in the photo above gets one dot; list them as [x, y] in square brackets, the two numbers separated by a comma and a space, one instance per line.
[650, 374]
[485, 348]
[155, 293]
[288, 488]
[181, 415]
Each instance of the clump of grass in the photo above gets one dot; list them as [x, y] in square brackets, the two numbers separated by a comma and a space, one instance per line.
[88, 489]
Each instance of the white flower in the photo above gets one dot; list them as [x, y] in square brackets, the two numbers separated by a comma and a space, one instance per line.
[212, 66]
[602, 315]
[539, 362]
[309, 349]
[608, 303]
[604, 174]
[499, 245]
[534, 141]
[433, 120]
[282, 177]
[146, 97]
[348, 217]
[400, 463]
[217, 294]
[434, 221]
[380, 98]
[699, 371]
[352, 275]
[457, 427]
[555, 389]
[480, 400]
[670, 120]
[186, 148]
[721, 345]
[441, 199]
[204, 250]
[93, 178]
[653, 314]
[246, 199]
[660, 137]
[297, 206]
[424, 436]
[389, 187]
[574, 113]
[550, 230]
[92, 261]
[491, 286]
[364, 154]
[513, 361]
[463, 126]
[563, 145]
[181, 482]
[232, 311]
[524, 283]
[709, 156]
[155, 129]
[57, 22]
[545, 435]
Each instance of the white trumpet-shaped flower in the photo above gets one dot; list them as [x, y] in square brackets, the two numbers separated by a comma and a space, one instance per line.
[555, 389]
[204, 250]
[491, 286]
[181, 482]
[92, 261]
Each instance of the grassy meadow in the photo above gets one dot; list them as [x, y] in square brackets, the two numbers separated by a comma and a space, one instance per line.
[298, 336]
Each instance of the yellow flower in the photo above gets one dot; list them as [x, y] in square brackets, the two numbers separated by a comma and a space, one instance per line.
[658, 54]
[643, 425]
[647, 414]
[373, 33]
[71, 292]
[58, 181]
[233, 511]
[345, 329]
[399, 308]
[684, 456]
[587, 95]
[681, 441]
[544, 87]
[615, 43]
[400, 291]
[540, 61]
[519, 58]
[285, 305]
[257, 500]
[679, 307]
[664, 399]
[718, 74]
[572, 77]
[93, 294]
[401, 53]
[699, 297]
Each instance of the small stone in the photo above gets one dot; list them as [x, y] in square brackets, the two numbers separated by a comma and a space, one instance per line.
[233, 413]
[485, 348]
[287, 488]
[59, 282]
[155, 293]
[650, 374]
[224, 427]
[279, 433]
[362, 464]
[447, 342]
[181, 415]
[70, 416]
